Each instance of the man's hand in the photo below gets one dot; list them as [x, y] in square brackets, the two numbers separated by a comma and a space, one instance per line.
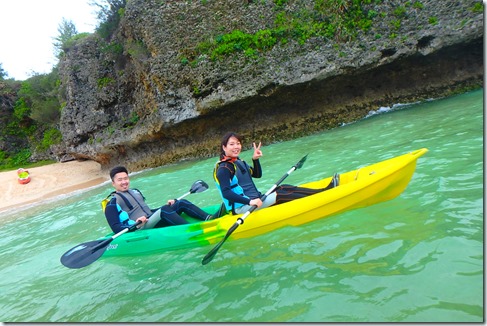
[143, 220]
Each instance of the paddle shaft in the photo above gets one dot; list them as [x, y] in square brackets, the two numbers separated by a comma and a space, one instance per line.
[198, 186]
[253, 208]
[179, 198]
[113, 237]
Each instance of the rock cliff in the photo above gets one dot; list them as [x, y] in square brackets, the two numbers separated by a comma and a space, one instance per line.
[145, 96]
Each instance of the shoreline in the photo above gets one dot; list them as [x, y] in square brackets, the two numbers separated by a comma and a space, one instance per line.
[48, 182]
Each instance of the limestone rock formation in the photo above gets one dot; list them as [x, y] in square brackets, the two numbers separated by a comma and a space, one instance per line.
[147, 95]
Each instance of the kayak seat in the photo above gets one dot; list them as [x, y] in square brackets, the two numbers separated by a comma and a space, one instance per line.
[222, 210]
[336, 180]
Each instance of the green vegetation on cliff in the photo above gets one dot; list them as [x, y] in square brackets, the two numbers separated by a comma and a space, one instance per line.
[32, 123]
[30, 119]
[338, 20]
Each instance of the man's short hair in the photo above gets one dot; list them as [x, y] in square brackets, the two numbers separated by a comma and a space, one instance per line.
[116, 170]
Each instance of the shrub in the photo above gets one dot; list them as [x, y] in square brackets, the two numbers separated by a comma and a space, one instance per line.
[478, 7]
[104, 81]
[433, 20]
[51, 136]
[337, 19]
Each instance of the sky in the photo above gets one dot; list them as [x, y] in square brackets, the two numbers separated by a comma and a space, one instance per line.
[28, 29]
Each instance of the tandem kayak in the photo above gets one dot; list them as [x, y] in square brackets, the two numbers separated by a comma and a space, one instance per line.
[362, 187]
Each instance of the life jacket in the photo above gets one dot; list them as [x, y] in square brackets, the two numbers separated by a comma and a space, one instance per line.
[133, 202]
[241, 184]
[107, 199]
[123, 216]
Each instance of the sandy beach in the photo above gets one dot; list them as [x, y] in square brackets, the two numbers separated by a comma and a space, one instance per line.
[48, 182]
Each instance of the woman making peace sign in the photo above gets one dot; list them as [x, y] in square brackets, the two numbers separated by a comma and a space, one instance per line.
[233, 178]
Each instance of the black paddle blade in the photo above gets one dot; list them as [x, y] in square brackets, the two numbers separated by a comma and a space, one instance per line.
[198, 186]
[84, 254]
[301, 162]
[210, 255]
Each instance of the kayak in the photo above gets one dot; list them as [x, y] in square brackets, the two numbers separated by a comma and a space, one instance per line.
[23, 176]
[358, 188]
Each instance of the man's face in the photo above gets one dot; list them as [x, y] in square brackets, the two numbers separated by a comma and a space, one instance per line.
[121, 181]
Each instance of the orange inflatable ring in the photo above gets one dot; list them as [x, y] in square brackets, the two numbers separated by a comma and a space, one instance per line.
[24, 180]
[23, 175]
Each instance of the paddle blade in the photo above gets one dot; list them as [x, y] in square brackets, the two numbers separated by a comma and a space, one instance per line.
[210, 255]
[198, 186]
[301, 162]
[84, 254]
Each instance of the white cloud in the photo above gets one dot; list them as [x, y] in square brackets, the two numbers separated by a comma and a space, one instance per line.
[28, 29]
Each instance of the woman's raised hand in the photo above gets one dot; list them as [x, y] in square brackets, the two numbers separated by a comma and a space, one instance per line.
[257, 152]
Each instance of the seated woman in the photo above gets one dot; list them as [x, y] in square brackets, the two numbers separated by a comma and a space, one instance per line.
[233, 178]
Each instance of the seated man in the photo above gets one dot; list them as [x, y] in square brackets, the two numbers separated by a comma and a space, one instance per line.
[128, 206]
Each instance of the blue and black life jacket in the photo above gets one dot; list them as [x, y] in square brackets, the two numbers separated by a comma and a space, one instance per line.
[241, 184]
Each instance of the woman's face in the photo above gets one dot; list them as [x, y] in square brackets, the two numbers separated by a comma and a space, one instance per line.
[233, 147]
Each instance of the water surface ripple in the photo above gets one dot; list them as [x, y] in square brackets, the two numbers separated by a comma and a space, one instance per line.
[417, 258]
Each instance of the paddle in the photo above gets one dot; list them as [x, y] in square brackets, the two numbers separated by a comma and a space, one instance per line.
[198, 186]
[86, 253]
[209, 256]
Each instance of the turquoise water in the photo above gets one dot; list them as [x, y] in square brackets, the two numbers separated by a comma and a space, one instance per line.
[417, 258]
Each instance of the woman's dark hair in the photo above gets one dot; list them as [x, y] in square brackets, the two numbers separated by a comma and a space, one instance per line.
[116, 170]
[225, 140]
